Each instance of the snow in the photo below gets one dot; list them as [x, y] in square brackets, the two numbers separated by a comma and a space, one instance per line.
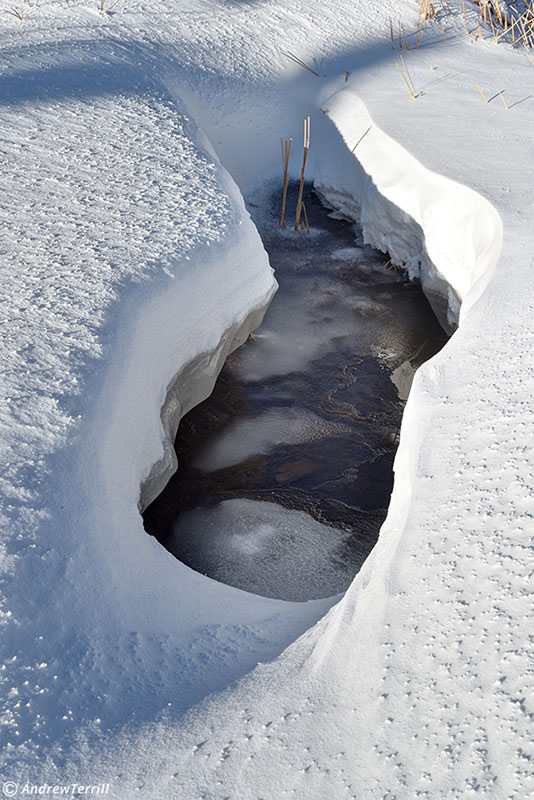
[128, 259]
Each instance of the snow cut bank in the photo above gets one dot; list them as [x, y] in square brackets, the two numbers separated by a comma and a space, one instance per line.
[445, 234]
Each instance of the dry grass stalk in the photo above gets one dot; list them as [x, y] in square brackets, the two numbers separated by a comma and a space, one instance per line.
[391, 33]
[524, 32]
[426, 9]
[305, 225]
[301, 187]
[410, 77]
[405, 80]
[405, 40]
[502, 98]
[419, 34]
[510, 29]
[519, 25]
[14, 12]
[361, 137]
[104, 10]
[286, 153]
[300, 62]
[481, 92]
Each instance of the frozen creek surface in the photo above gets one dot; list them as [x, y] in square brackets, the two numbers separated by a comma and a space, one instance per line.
[286, 470]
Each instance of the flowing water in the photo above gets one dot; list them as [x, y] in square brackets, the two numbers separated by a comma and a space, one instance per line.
[286, 470]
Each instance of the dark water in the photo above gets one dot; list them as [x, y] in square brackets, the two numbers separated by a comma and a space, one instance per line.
[305, 415]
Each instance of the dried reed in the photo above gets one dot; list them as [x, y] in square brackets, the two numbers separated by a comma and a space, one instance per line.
[299, 62]
[419, 34]
[481, 92]
[405, 79]
[286, 153]
[361, 137]
[301, 187]
[306, 224]
[412, 84]
[502, 98]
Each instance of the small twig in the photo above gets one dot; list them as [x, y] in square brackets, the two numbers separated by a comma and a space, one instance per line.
[360, 139]
[502, 98]
[306, 225]
[300, 62]
[419, 34]
[404, 78]
[286, 152]
[481, 92]
[409, 76]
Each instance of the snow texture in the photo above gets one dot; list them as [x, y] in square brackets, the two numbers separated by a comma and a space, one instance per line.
[127, 255]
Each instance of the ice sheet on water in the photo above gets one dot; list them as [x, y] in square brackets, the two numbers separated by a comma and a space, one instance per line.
[365, 259]
[265, 548]
[261, 434]
[301, 325]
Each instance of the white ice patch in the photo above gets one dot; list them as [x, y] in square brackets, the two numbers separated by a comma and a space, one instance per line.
[266, 549]
[262, 434]
[364, 257]
[301, 326]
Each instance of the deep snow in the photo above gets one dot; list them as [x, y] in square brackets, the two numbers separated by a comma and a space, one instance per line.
[127, 254]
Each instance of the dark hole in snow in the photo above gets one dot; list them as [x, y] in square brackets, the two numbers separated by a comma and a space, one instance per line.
[286, 470]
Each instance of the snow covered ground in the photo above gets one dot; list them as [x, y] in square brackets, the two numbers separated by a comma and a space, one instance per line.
[128, 259]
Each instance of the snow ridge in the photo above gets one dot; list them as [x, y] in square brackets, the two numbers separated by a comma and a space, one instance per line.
[445, 234]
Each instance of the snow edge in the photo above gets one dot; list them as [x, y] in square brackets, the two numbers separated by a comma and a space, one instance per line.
[445, 234]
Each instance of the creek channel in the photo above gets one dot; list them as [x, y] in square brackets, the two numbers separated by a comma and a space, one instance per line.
[286, 470]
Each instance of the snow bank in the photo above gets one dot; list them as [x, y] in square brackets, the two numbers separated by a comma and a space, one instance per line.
[419, 682]
[131, 268]
[445, 234]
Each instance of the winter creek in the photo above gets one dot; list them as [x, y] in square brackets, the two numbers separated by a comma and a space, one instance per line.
[285, 472]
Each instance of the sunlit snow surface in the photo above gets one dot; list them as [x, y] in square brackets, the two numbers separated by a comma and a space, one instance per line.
[417, 684]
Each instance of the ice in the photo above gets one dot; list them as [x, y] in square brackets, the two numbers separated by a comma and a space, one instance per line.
[364, 259]
[402, 377]
[261, 434]
[295, 332]
[264, 548]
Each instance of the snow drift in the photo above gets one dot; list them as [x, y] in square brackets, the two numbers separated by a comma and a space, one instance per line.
[445, 234]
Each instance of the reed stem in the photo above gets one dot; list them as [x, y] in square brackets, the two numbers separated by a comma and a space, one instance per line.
[286, 153]
[301, 187]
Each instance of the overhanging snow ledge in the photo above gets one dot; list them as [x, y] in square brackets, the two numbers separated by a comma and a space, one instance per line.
[444, 233]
